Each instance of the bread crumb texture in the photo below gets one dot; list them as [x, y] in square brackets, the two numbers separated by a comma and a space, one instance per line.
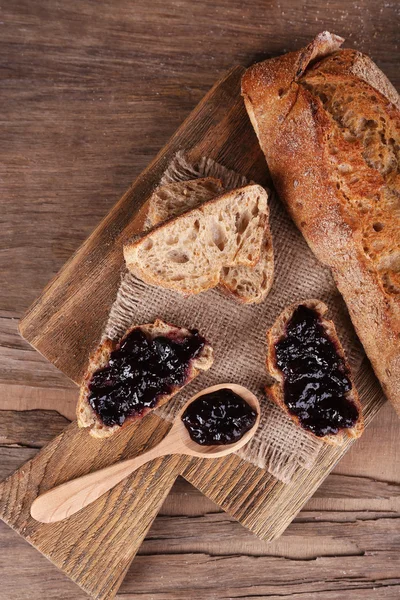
[223, 241]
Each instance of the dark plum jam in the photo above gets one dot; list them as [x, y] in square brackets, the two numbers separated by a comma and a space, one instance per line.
[139, 371]
[315, 377]
[219, 418]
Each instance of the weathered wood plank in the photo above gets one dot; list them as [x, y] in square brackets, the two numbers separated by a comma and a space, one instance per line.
[90, 92]
[13, 457]
[65, 323]
[214, 577]
[30, 428]
[215, 546]
[97, 545]
[84, 112]
[23, 365]
[314, 533]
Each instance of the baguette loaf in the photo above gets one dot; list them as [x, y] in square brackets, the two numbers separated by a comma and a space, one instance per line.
[195, 251]
[249, 285]
[328, 122]
[326, 362]
[88, 417]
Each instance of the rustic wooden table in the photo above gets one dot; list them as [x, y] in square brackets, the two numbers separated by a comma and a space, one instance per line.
[90, 91]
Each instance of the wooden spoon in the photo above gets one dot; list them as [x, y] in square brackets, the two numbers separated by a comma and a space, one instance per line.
[66, 499]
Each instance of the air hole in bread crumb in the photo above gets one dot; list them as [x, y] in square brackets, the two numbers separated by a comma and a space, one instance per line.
[218, 236]
[178, 257]
[281, 91]
[196, 225]
[171, 240]
[349, 137]
[148, 244]
[371, 124]
[378, 226]
[242, 222]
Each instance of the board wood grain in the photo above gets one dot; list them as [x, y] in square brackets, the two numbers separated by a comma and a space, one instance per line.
[90, 91]
[64, 324]
[66, 321]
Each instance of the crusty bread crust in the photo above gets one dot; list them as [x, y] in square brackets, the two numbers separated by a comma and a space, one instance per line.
[275, 391]
[329, 188]
[86, 415]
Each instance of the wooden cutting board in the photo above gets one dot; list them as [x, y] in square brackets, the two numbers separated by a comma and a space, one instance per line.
[96, 546]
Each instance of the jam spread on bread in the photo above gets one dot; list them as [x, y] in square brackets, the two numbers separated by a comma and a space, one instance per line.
[316, 379]
[221, 417]
[139, 371]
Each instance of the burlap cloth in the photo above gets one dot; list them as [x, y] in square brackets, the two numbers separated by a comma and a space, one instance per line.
[237, 332]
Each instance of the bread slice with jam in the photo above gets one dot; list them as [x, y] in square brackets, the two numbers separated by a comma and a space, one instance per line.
[314, 385]
[127, 379]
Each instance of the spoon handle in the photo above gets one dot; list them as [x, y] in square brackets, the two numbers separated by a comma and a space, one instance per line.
[67, 498]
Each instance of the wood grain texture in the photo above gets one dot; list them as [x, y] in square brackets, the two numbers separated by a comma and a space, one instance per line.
[226, 561]
[105, 538]
[191, 527]
[90, 92]
[64, 325]
[66, 321]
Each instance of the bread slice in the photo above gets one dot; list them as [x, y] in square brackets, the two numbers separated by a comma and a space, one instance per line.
[88, 417]
[328, 121]
[188, 254]
[276, 391]
[246, 284]
[173, 199]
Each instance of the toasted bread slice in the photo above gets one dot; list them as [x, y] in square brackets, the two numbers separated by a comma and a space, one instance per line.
[275, 392]
[88, 417]
[191, 253]
[249, 285]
